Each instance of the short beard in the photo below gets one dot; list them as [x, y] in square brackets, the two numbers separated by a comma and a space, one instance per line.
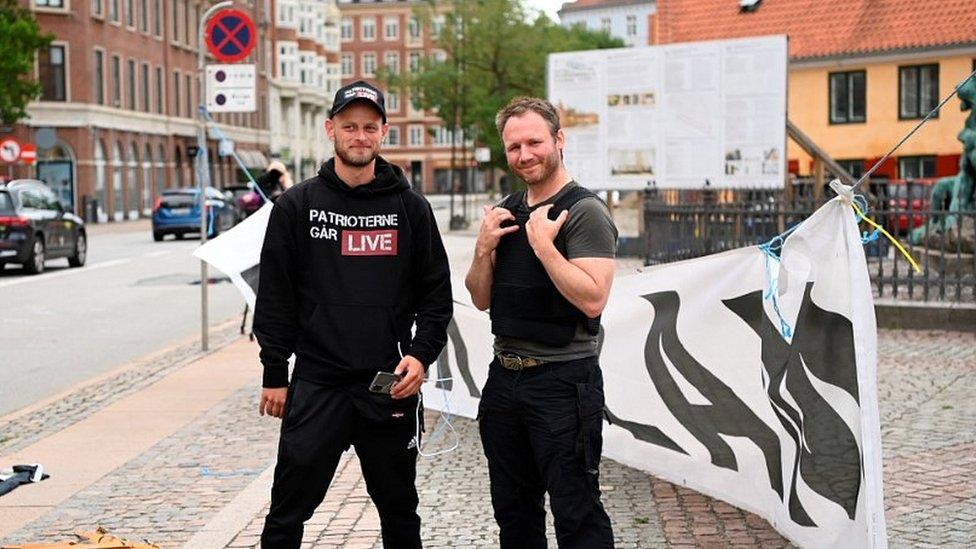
[354, 162]
[549, 166]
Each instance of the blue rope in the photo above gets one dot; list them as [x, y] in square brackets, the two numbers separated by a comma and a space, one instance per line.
[220, 135]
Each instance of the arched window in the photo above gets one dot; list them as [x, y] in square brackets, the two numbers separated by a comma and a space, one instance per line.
[56, 167]
[100, 194]
[118, 206]
[147, 181]
[133, 179]
[161, 182]
[178, 167]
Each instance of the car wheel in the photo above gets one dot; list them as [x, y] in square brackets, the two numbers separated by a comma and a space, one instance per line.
[35, 261]
[158, 236]
[81, 251]
[179, 236]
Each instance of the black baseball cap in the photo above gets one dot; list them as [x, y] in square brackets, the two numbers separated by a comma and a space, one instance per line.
[358, 91]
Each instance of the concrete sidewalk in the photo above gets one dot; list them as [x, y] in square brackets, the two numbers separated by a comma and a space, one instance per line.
[175, 452]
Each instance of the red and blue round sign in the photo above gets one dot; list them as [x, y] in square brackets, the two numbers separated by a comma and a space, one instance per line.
[230, 35]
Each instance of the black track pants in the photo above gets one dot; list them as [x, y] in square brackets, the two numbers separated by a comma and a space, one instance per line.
[542, 431]
[322, 422]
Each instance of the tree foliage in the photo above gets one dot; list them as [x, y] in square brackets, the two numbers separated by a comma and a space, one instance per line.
[22, 38]
[494, 50]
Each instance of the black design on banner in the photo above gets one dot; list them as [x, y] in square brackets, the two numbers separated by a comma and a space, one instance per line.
[725, 415]
[829, 458]
[250, 276]
[646, 433]
[464, 368]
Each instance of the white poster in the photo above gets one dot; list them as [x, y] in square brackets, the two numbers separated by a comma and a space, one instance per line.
[675, 116]
[704, 389]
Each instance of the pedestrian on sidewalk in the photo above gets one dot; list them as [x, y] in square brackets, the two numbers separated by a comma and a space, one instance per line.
[352, 261]
[544, 263]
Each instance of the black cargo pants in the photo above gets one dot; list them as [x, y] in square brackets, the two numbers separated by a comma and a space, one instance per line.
[319, 424]
[542, 431]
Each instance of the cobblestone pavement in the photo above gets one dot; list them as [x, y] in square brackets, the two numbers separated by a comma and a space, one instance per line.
[926, 381]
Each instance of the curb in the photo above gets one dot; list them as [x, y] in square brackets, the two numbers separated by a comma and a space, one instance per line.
[901, 315]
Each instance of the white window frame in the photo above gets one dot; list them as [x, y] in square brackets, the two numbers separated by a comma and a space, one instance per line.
[393, 137]
[345, 29]
[368, 64]
[391, 22]
[343, 65]
[364, 24]
[415, 130]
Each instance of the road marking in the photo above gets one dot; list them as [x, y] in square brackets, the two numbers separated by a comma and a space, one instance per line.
[157, 254]
[69, 271]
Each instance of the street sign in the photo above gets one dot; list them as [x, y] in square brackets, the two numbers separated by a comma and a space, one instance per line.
[28, 153]
[231, 88]
[482, 154]
[225, 147]
[230, 35]
[9, 150]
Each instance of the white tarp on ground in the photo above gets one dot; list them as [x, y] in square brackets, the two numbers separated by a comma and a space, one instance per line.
[701, 387]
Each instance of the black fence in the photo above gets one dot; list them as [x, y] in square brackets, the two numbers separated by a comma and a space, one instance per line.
[684, 224]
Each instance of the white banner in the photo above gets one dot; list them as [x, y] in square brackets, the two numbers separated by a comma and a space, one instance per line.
[237, 252]
[704, 391]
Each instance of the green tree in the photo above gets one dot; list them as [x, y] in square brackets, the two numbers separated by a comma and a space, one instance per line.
[494, 51]
[22, 38]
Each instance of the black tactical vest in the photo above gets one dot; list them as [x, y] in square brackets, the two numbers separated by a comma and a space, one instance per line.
[525, 304]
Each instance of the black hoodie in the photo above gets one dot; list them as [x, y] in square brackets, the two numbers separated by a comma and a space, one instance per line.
[345, 273]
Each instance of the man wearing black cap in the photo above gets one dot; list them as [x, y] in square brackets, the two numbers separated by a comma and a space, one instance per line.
[352, 262]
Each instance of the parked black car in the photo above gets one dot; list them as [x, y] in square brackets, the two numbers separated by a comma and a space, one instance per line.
[35, 227]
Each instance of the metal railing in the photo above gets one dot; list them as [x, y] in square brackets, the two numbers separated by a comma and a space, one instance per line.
[684, 224]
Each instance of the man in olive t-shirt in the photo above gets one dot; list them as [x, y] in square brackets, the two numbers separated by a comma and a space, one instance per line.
[543, 264]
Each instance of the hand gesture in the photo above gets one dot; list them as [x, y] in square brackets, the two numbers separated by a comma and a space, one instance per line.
[413, 375]
[540, 230]
[491, 232]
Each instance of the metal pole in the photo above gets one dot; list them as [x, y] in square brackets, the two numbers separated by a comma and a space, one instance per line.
[203, 171]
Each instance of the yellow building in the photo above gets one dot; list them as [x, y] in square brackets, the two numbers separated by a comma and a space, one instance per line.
[862, 73]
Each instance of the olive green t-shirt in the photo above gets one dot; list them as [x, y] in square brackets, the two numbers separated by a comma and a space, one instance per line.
[590, 232]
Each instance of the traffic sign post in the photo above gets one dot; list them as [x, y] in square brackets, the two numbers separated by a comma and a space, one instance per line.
[231, 35]
[9, 151]
[231, 88]
[28, 153]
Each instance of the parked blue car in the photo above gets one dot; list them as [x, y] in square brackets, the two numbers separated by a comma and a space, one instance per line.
[177, 212]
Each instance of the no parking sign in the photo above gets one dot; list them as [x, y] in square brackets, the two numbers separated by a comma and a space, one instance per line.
[231, 35]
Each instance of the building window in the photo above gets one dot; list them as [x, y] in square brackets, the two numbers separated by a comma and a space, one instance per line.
[391, 28]
[414, 58]
[392, 61]
[98, 83]
[854, 167]
[145, 87]
[368, 28]
[113, 10]
[347, 68]
[176, 93]
[144, 15]
[188, 90]
[130, 88]
[186, 22]
[393, 137]
[369, 64]
[130, 13]
[51, 73]
[96, 7]
[437, 25]
[605, 25]
[49, 3]
[915, 167]
[918, 90]
[174, 17]
[116, 75]
[631, 25]
[160, 86]
[416, 136]
[392, 101]
[345, 29]
[413, 28]
[158, 18]
[847, 96]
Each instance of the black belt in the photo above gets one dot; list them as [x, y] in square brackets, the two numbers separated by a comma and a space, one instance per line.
[516, 362]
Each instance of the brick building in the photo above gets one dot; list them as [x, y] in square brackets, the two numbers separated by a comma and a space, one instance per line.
[386, 33]
[118, 107]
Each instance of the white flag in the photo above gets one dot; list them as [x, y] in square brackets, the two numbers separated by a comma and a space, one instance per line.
[237, 252]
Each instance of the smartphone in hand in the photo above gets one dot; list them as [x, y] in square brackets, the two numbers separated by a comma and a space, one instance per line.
[383, 382]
